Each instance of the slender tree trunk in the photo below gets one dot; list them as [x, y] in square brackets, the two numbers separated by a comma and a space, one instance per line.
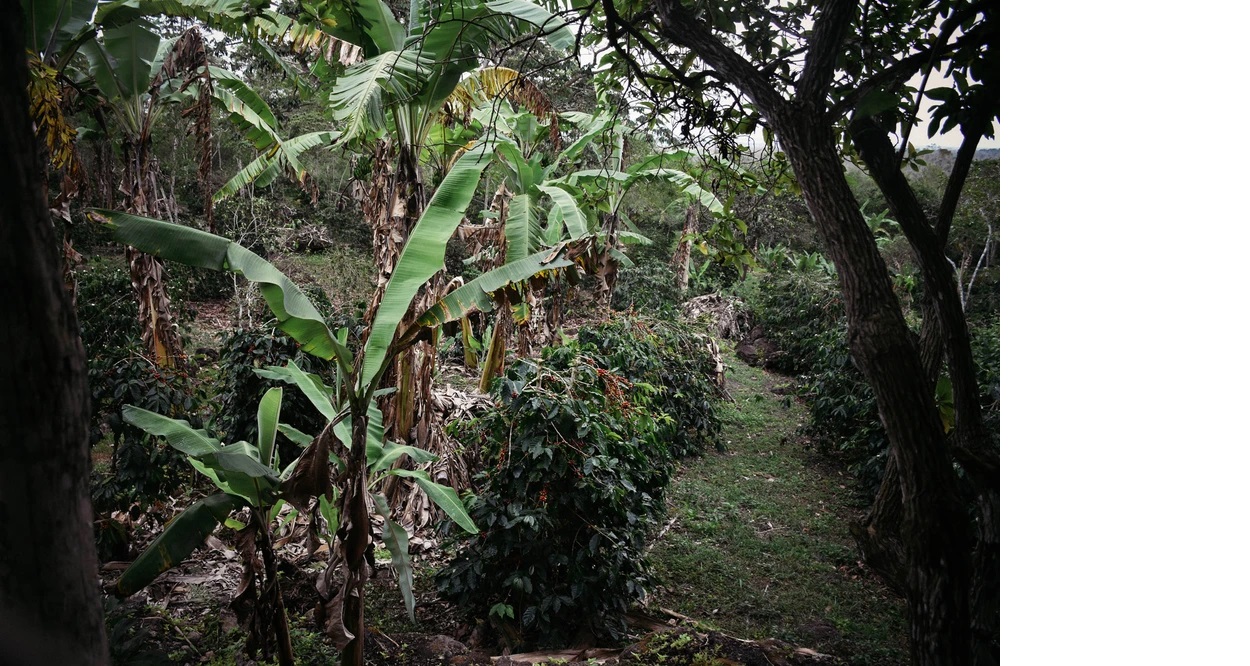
[934, 530]
[49, 600]
[681, 258]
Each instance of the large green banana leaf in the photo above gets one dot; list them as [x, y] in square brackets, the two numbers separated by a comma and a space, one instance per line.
[555, 31]
[476, 294]
[246, 109]
[517, 228]
[237, 466]
[52, 24]
[296, 315]
[566, 201]
[182, 535]
[121, 64]
[267, 415]
[446, 498]
[424, 254]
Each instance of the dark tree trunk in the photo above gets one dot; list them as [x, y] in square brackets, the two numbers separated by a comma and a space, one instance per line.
[934, 530]
[49, 602]
[944, 334]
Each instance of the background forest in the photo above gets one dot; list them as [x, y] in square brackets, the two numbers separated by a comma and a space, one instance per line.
[416, 332]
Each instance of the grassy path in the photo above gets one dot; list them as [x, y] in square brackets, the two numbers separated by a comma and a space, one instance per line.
[759, 545]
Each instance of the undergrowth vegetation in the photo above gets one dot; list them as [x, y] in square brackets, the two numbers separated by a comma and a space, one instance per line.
[575, 475]
[422, 322]
[673, 359]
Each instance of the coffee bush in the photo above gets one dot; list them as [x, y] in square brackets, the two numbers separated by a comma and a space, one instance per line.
[575, 478]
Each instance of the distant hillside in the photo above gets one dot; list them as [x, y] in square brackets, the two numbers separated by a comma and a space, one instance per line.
[943, 158]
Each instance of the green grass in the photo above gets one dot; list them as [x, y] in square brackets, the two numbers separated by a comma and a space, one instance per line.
[760, 546]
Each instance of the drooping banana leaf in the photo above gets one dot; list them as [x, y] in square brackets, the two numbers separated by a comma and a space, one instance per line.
[246, 109]
[392, 452]
[285, 155]
[566, 201]
[475, 295]
[396, 539]
[686, 182]
[556, 31]
[182, 535]
[424, 254]
[446, 498]
[179, 434]
[296, 315]
[235, 468]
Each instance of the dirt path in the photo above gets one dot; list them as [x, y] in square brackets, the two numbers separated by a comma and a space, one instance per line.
[759, 545]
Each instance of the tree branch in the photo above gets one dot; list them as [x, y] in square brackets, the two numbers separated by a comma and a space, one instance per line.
[679, 25]
[979, 121]
[820, 64]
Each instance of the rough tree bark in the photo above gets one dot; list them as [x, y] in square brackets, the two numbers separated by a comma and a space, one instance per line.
[944, 334]
[934, 530]
[50, 609]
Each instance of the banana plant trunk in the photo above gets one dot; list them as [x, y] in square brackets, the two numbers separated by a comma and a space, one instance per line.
[681, 258]
[608, 266]
[393, 202]
[147, 273]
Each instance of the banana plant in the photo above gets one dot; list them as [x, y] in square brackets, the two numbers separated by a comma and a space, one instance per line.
[593, 197]
[387, 105]
[252, 116]
[247, 476]
[350, 404]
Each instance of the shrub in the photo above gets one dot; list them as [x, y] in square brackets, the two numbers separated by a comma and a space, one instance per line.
[578, 476]
[794, 310]
[107, 313]
[674, 358]
[649, 285]
[843, 411]
[142, 470]
[240, 388]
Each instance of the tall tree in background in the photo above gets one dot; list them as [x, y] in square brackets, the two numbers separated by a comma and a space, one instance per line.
[49, 603]
[814, 76]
